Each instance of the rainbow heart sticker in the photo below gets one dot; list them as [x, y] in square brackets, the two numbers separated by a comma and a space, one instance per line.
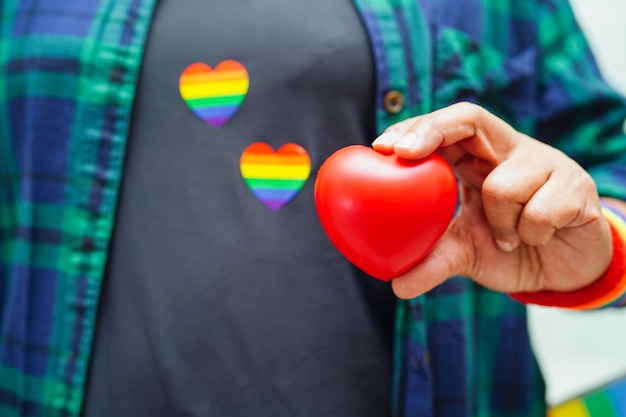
[214, 95]
[275, 177]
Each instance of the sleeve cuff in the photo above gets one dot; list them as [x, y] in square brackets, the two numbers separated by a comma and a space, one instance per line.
[608, 290]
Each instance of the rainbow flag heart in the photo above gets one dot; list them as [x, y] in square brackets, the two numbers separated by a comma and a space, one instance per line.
[275, 177]
[214, 95]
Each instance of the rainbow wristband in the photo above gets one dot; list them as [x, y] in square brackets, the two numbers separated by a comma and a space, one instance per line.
[618, 220]
[607, 290]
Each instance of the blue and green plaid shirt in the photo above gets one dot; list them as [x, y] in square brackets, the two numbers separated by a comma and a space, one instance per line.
[68, 71]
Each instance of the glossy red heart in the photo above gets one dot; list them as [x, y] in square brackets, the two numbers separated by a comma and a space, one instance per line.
[384, 213]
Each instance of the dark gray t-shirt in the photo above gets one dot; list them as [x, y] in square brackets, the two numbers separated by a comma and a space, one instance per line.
[213, 304]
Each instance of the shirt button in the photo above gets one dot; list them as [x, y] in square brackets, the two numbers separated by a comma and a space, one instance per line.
[394, 101]
[415, 363]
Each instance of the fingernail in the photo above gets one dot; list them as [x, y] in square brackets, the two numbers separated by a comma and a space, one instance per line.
[407, 141]
[385, 138]
[505, 246]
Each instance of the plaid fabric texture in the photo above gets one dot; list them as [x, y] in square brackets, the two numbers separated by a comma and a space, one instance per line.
[462, 350]
[68, 71]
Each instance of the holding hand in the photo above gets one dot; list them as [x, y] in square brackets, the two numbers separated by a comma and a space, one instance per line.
[530, 216]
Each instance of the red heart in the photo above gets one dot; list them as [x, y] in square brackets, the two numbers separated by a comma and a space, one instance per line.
[384, 213]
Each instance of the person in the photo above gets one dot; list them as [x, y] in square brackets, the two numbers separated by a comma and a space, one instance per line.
[144, 271]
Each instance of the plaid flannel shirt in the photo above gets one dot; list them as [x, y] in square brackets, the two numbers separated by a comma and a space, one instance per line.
[68, 71]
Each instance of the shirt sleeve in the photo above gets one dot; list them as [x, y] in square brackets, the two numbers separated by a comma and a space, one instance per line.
[578, 111]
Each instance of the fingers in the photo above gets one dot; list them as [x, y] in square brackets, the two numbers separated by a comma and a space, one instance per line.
[445, 260]
[564, 201]
[505, 193]
[521, 193]
[454, 254]
[531, 208]
[477, 132]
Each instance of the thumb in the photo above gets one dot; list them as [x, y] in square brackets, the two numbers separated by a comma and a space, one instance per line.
[449, 258]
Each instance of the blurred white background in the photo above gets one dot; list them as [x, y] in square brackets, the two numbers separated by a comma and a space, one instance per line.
[581, 351]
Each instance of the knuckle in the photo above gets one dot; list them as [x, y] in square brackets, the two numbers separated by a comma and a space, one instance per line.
[428, 121]
[468, 106]
[588, 184]
[474, 111]
[536, 226]
[498, 188]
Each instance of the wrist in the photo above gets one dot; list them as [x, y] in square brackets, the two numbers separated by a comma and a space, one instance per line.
[607, 290]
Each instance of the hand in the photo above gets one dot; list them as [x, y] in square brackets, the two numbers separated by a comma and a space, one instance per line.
[530, 216]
